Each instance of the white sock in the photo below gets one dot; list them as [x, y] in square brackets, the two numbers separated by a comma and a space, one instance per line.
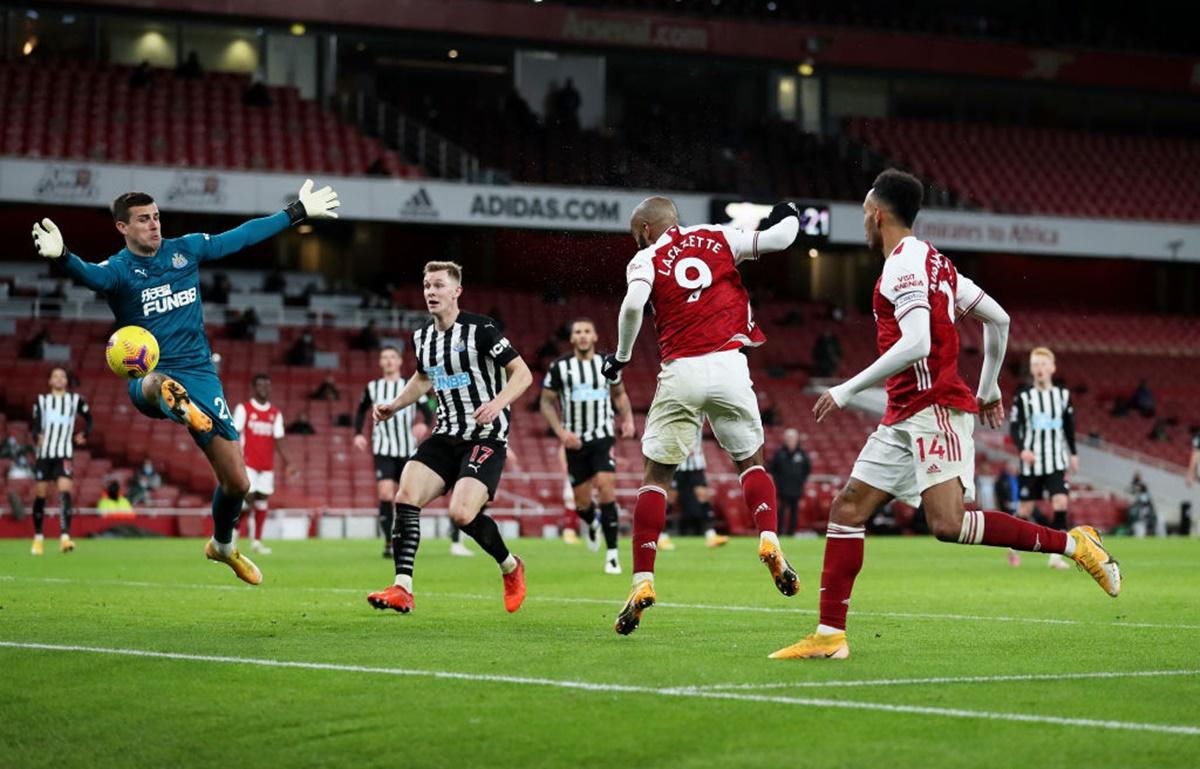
[827, 630]
[769, 536]
[1069, 550]
[224, 548]
[404, 581]
[612, 555]
[38, 537]
[710, 533]
[509, 565]
[643, 576]
[64, 536]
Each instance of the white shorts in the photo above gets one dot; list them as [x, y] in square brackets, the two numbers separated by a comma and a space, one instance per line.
[931, 446]
[261, 481]
[716, 386]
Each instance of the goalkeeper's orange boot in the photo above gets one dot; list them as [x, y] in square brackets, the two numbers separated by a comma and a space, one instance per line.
[242, 566]
[1095, 560]
[514, 587]
[782, 572]
[392, 597]
[640, 599]
[183, 411]
[816, 646]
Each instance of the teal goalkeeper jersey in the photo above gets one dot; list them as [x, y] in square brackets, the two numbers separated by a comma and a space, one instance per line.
[161, 293]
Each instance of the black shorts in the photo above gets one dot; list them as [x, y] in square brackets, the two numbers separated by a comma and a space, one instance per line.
[52, 469]
[389, 468]
[1035, 487]
[454, 458]
[593, 457]
[688, 479]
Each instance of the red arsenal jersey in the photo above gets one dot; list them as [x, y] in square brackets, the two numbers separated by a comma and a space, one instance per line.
[916, 275]
[259, 425]
[700, 305]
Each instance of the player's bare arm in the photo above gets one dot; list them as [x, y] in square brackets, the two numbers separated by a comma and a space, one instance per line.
[913, 345]
[519, 379]
[416, 389]
[624, 408]
[548, 403]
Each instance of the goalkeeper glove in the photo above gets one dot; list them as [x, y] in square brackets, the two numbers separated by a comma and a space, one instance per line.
[48, 240]
[313, 205]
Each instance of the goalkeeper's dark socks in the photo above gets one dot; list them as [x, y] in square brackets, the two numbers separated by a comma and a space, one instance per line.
[39, 514]
[65, 511]
[226, 511]
[986, 527]
[386, 515]
[610, 522]
[586, 514]
[843, 562]
[406, 539]
[485, 532]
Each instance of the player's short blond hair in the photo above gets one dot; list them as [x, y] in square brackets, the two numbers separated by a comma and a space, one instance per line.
[454, 269]
[1045, 352]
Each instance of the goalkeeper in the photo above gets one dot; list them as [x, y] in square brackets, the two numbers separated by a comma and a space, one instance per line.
[155, 283]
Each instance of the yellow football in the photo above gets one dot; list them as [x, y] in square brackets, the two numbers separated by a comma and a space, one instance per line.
[132, 352]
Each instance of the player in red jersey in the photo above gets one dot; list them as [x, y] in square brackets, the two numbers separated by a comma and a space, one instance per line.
[260, 426]
[923, 452]
[703, 319]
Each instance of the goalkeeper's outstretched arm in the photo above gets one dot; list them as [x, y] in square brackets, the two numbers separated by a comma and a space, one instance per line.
[308, 205]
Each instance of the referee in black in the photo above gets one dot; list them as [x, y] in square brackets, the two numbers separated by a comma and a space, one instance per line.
[393, 441]
[1043, 429]
[55, 437]
[575, 388]
[475, 372]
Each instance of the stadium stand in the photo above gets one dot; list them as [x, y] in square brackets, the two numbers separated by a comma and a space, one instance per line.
[96, 114]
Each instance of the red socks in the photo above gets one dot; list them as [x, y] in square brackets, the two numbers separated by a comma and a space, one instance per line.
[649, 519]
[758, 490]
[843, 561]
[984, 527]
[260, 518]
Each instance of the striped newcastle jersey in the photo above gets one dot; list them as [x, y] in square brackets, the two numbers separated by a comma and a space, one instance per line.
[466, 364]
[393, 438]
[587, 407]
[695, 460]
[1043, 421]
[54, 423]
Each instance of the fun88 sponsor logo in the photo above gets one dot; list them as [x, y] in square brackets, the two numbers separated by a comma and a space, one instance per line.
[582, 392]
[444, 381]
[160, 299]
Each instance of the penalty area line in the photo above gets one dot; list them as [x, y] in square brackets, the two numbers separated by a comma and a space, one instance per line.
[685, 693]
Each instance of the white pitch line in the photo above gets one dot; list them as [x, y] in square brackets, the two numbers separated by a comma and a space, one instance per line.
[682, 692]
[615, 603]
[946, 680]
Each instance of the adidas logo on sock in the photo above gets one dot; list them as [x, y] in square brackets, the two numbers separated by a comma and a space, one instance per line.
[650, 545]
[765, 506]
[419, 205]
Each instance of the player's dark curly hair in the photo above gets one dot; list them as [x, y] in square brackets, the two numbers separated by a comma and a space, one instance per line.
[122, 203]
[259, 377]
[901, 193]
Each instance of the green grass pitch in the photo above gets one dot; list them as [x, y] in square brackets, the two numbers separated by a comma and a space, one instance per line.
[1035, 667]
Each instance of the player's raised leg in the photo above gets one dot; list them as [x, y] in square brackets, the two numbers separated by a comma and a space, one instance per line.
[225, 456]
[166, 394]
[844, 543]
[418, 486]
[467, 501]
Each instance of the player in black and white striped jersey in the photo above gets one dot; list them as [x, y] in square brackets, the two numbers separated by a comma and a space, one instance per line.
[477, 375]
[690, 487]
[1043, 429]
[393, 441]
[578, 403]
[55, 438]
